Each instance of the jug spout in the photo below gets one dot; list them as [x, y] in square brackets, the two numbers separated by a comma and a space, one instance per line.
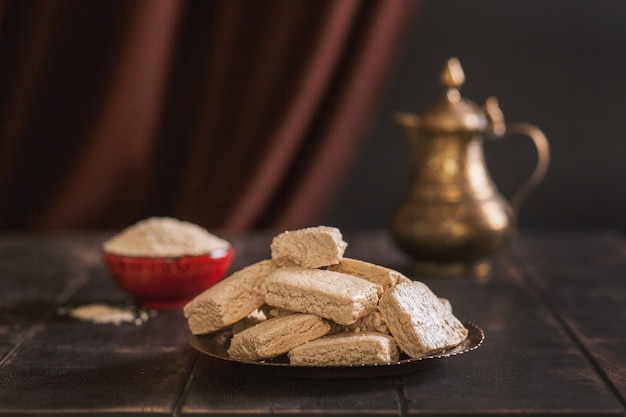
[408, 124]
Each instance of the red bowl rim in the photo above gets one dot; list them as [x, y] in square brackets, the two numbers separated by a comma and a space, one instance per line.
[213, 254]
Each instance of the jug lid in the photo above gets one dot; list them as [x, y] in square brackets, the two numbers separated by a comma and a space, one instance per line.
[454, 113]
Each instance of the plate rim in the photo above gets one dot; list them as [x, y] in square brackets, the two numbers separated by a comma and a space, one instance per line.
[475, 338]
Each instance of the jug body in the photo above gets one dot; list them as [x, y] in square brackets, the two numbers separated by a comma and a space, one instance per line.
[453, 213]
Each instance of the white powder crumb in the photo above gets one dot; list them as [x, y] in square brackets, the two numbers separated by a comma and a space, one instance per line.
[102, 313]
[163, 236]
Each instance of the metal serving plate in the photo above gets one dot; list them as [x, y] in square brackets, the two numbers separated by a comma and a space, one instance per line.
[216, 346]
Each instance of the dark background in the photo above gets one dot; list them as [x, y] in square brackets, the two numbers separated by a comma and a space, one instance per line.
[560, 65]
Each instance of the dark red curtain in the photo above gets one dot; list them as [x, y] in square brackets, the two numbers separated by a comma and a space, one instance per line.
[232, 114]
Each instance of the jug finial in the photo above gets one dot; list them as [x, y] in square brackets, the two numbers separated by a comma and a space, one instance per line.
[452, 75]
[454, 114]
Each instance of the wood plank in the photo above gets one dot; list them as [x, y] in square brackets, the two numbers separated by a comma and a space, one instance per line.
[35, 273]
[47, 379]
[528, 363]
[582, 276]
[71, 366]
[224, 389]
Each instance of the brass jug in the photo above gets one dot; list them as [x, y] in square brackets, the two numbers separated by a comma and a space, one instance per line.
[453, 217]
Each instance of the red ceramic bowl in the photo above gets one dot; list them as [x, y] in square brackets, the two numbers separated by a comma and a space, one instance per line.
[164, 283]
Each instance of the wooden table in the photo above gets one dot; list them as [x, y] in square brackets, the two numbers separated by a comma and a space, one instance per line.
[553, 310]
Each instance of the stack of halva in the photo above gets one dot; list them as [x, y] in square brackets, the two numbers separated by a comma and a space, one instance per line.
[319, 308]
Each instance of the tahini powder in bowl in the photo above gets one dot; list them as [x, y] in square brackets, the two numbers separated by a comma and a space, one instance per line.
[164, 237]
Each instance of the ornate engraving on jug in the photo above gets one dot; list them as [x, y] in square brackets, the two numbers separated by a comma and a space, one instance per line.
[451, 232]
[443, 164]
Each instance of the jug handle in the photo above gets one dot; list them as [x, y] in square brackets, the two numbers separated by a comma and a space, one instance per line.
[543, 161]
[499, 129]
